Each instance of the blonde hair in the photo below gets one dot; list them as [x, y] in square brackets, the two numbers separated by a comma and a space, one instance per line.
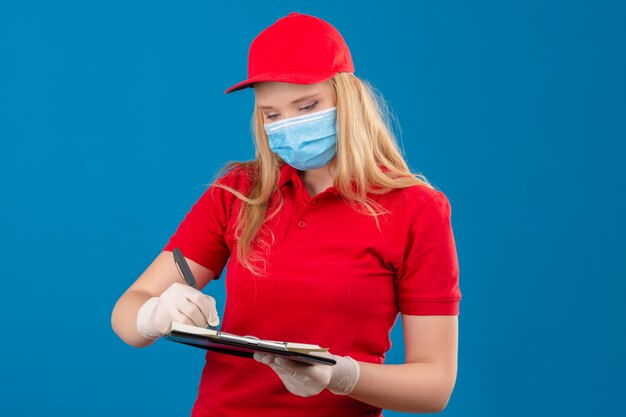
[364, 143]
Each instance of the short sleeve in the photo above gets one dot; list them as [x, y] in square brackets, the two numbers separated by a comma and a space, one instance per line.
[427, 283]
[201, 234]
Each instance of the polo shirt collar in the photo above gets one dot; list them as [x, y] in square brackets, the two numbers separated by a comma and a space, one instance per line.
[287, 173]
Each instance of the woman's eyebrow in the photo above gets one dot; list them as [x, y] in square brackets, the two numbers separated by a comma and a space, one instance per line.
[293, 102]
[305, 98]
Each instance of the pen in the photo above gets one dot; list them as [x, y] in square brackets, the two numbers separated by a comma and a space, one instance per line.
[185, 272]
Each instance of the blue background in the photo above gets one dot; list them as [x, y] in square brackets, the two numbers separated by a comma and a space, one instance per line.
[113, 119]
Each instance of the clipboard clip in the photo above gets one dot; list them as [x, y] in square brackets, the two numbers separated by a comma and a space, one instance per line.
[265, 343]
[252, 341]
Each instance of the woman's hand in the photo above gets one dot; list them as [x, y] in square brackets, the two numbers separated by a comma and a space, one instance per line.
[180, 303]
[308, 380]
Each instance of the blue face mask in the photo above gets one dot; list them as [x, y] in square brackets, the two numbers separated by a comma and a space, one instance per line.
[305, 142]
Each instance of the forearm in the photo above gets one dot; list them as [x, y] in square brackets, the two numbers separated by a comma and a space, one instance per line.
[411, 387]
[124, 318]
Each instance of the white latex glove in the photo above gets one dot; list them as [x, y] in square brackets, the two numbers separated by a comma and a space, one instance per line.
[180, 303]
[308, 380]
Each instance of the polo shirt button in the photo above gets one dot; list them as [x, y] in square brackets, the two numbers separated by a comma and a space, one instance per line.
[314, 201]
[301, 223]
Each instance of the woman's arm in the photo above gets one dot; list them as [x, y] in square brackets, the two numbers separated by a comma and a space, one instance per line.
[151, 283]
[425, 382]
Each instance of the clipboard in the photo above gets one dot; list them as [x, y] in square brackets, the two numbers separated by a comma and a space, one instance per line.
[244, 346]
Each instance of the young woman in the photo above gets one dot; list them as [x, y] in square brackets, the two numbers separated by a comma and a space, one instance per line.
[327, 236]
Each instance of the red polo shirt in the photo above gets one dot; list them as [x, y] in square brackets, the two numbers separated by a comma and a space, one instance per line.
[334, 280]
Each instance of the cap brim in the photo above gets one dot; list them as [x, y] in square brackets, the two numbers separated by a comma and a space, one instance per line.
[298, 78]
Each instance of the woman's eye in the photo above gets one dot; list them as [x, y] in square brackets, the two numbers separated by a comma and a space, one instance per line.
[310, 106]
[271, 116]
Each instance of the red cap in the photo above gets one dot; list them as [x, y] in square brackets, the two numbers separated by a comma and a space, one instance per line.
[299, 49]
